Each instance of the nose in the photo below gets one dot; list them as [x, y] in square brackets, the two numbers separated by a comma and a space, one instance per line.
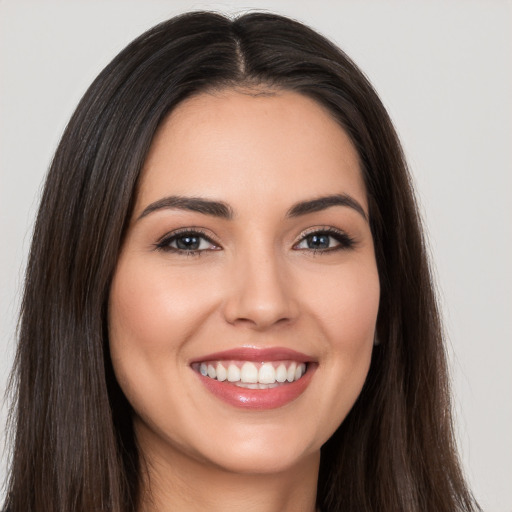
[260, 292]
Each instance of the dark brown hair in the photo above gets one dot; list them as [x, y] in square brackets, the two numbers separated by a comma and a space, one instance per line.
[74, 448]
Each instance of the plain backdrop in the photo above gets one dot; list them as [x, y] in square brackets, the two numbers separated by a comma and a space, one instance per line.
[443, 70]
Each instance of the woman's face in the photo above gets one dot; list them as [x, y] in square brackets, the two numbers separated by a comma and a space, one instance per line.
[243, 307]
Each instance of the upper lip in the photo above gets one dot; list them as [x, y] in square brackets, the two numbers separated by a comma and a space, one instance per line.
[256, 354]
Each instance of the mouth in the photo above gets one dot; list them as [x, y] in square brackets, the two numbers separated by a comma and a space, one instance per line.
[256, 378]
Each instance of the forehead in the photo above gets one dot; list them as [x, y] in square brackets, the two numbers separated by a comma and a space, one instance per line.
[245, 144]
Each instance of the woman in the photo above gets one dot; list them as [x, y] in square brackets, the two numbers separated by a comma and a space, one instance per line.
[228, 302]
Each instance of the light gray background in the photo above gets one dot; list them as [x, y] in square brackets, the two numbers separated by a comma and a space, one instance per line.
[443, 69]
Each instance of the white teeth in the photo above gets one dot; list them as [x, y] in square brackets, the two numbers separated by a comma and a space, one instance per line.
[253, 375]
[249, 373]
[211, 372]
[281, 373]
[233, 373]
[221, 373]
[267, 374]
[290, 376]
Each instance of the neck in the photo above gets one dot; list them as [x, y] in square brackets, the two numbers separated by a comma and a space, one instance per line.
[173, 481]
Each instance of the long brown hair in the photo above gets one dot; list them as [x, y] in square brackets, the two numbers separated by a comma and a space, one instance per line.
[74, 447]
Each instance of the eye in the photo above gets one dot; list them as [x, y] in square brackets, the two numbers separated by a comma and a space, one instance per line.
[325, 240]
[186, 242]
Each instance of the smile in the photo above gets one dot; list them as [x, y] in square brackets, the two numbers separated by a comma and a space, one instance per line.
[256, 378]
[252, 375]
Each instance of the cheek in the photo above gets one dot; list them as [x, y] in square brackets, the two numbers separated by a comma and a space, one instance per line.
[153, 312]
[153, 308]
[346, 314]
[346, 306]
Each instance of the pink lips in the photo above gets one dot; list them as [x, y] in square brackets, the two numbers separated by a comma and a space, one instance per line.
[270, 398]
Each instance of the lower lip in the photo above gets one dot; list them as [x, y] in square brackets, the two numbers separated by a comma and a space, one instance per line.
[270, 398]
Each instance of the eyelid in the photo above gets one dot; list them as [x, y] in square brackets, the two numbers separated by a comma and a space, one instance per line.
[321, 228]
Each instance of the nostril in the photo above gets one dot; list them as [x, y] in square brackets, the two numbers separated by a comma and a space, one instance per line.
[257, 313]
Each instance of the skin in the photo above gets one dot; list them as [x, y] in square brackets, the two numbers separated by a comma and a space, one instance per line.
[258, 285]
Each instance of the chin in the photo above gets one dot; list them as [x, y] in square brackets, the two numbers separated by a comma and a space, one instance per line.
[264, 449]
[271, 459]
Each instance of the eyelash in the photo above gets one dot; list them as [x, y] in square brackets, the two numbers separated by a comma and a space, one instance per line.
[164, 243]
[345, 241]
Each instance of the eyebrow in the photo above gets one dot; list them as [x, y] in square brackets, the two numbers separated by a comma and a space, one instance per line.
[322, 203]
[223, 210]
[194, 204]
